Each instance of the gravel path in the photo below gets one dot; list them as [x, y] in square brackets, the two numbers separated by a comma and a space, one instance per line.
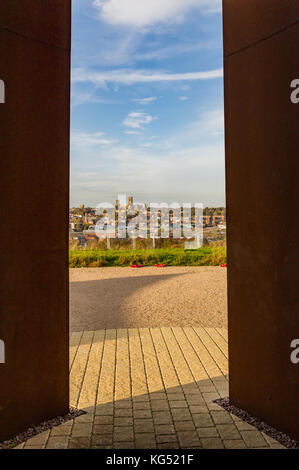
[147, 297]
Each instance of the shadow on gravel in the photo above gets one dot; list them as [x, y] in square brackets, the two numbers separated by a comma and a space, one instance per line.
[96, 305]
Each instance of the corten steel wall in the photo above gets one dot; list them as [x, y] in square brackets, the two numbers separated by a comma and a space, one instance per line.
[262, 147]
[34, 195]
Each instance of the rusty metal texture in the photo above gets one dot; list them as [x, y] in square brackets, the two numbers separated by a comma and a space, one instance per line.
[34, 198]
[262, 143]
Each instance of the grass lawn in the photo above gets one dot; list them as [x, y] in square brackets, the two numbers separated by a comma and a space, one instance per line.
[205, 256]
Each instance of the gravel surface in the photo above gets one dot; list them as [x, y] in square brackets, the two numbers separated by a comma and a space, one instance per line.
[282, 438]
[34, 430]
[123, 297]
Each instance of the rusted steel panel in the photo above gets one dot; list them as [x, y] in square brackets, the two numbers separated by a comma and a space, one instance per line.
[34, 198]
[249, 21]
[262, 145]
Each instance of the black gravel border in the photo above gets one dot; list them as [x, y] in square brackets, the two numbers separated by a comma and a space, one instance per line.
[280, 437]
[35, 430]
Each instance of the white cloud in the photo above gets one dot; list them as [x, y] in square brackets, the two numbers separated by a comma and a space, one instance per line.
[129, 77]
[207, 130]
[193, 173]
[136, 120]
[79, 97]
[185, 166]
[185, 87]
[183, 98]
[211, 123]
[146, 145]
[82, 139]
[130, 132]
[116, 47]
[145, 13]
[148, 100]
[177, 49]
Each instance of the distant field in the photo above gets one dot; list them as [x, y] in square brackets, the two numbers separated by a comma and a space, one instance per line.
[205, 256]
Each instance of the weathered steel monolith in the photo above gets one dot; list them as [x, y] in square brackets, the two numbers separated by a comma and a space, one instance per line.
[261, 64]
[34, 198]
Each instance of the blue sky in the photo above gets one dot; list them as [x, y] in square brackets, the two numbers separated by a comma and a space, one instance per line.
[147, 101]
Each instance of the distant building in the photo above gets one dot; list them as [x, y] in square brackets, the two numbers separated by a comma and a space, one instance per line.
[77, 236]
[76, 226]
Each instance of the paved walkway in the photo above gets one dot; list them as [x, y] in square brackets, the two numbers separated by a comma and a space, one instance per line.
[150, 388]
